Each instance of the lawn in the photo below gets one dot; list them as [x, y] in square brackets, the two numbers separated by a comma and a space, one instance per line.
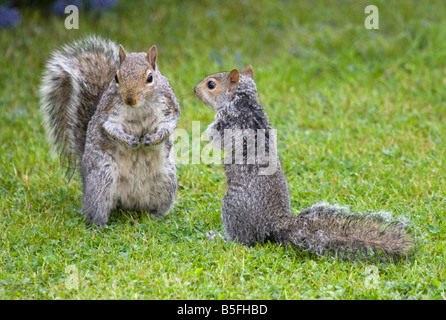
[360, 116]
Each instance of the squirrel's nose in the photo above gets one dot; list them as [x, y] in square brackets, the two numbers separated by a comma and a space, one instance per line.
[130, 100]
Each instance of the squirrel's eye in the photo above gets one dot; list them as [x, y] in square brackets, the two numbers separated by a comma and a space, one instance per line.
[211, 85]
[116, 78]
[150, 78]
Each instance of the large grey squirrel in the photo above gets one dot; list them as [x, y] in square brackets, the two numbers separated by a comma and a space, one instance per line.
[256, 205]
[111, 115]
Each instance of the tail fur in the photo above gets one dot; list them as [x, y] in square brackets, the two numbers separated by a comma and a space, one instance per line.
[325, 229]
[73, 82]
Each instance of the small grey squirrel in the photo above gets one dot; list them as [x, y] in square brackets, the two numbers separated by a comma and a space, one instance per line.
[111, 115]
[256, 206]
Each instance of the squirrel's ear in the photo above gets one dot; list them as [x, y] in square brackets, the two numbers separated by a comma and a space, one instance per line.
[234, 76]
[151, 56]
[121, 53]
[248, 72]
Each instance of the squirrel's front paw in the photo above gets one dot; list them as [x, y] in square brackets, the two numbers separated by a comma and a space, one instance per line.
[132, 142]
[151, 140]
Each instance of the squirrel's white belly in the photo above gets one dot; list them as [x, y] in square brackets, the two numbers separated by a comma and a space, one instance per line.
[142, 176]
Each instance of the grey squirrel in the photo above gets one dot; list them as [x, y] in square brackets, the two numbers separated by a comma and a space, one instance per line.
[256, 206]
[111, 114]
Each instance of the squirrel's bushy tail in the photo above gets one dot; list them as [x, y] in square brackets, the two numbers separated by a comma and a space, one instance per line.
[325, 229]
[73, 82]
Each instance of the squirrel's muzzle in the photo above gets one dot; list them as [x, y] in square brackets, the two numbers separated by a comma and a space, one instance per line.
[130, 100]
[197, 92]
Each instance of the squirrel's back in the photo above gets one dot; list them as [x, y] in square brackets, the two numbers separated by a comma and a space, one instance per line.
[73, 82]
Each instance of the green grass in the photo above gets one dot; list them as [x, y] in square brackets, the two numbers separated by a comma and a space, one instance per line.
[360, 116]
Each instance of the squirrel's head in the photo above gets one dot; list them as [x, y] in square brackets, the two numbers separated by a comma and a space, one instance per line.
[137, 76]
[218, 89]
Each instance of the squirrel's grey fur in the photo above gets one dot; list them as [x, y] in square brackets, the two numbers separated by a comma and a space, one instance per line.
[118, 131]
[256, 207]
